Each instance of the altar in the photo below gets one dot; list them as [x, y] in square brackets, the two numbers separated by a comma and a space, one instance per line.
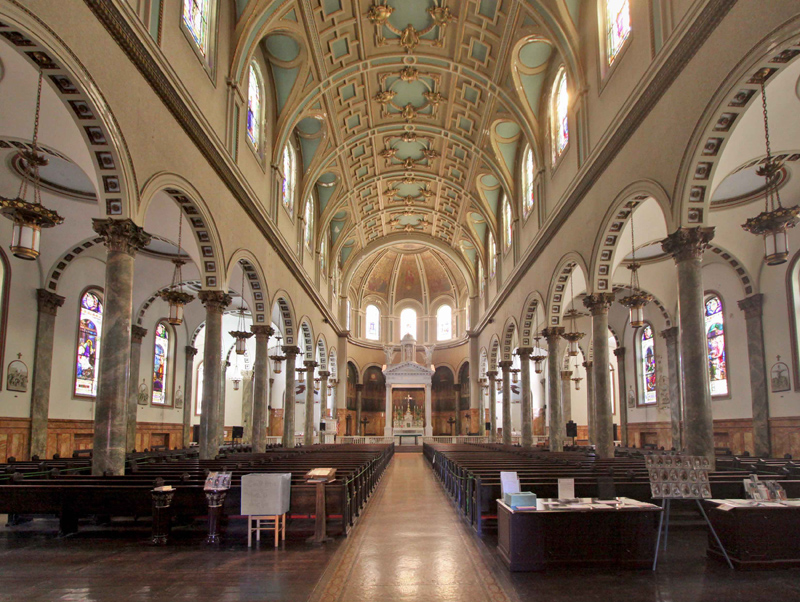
[408, 395]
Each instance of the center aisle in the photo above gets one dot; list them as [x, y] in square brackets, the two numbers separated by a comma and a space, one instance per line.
[409, 545]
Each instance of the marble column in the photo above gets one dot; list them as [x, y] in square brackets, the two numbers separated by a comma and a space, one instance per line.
[524, 354]
[359, 391]
[670, 336]
[457, 406]
[340, 411]
[223, 390]
[308, 431]
[566, 396]
[482, 412]
[428, 412]
[137, 335]
[598, 305]
[247, 407]
[590, 410]
[258, 434]
[324, 407]
[623, 396]
[48, 304]
[388, 428]
[270, 403]
[753, 314]
[290, 352]
[188, 386]
[122, 239]
[215, 303]
[492, 376]
[475, 394]
[505, 365]
[555, 418]
[686, 245]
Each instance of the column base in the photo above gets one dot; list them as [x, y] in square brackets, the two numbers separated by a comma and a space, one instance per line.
[388, 431]
[429, 431]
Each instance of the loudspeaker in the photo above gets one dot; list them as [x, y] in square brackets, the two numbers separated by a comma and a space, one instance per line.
[196, 433]
[321, 426]
[572, 429]
[238, 432]
[616, 433]
[488, 427]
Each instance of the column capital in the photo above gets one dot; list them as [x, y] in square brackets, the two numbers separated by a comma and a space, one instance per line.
[752, 306]
[505, 364]
[524, 353]
[262, 330]
[292, 350]
[324, 373]
[687, 243]
[619, 352]
[121, 235]
[215, 301]
[491, 374]
[566, 374]
[48, 301]
[552, 334]
[670, 334]
[588, 363]
[310, 364]
[271, 381]
[598, 303]
[190, 351]
[137, 334]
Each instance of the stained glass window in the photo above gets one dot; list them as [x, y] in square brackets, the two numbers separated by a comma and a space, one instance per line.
[559, 109]
[196, 18]
[323, 256]
[289, 177]
[347, 317]
[254, 107]
[444, 323]
[648, 359]
[373, 323]
[309, 223]
[198, 396]
[90, 326]
[408, 322]
[160, 364]
[528, 177]
[618, 26]
[717, 358]
[492, 257]
[481, 281]
[508, 225]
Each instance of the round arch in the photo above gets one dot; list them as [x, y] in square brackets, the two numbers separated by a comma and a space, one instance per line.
[557, 295]
[254, 275]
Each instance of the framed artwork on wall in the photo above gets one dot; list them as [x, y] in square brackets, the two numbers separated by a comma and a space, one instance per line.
[779, 378]
[17, 376]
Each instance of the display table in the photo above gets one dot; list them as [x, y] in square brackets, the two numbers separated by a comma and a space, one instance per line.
[620, 533]
[756, 535]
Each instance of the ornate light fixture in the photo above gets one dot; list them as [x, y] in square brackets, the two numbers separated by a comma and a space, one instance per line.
[276, 356]
[773, 222]
[514, 375]
[240, 334]
[573, 335]
[538, 357]
[576, 379]
[236, 377]
[636, 301]
[317, 384]
[175, 296]
[30, 217]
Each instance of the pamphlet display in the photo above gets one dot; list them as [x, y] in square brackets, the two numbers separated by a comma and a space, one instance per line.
[678, 476]
[218, 481]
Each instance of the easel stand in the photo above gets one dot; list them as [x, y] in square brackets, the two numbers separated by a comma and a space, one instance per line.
[663, 526]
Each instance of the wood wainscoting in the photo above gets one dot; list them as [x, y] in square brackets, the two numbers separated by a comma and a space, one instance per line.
[67, 436]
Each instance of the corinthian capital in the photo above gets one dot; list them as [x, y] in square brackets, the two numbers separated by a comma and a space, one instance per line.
[121, 235]
[598, 303]
[215, 301]
[48, 302]
[687, 243]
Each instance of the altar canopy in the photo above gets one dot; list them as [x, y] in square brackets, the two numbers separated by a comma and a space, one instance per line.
[408, 393]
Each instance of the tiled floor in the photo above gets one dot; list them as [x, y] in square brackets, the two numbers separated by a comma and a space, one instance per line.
[409, 545]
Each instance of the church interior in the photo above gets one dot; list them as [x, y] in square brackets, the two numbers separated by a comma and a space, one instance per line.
[424, 243]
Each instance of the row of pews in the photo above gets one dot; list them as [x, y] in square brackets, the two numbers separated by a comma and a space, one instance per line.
[67, 489]
[470, 474]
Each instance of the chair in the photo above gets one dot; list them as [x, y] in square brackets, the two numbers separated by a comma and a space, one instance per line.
[265, 502]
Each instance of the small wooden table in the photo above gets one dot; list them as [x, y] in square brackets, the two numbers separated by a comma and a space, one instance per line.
[588, 532]
[415, 435]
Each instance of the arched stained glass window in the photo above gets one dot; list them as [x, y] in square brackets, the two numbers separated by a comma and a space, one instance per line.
[196, 15]
[715, 335]
[323, 255]
[347, 317]
[444, 323]
[559, 108]
[492, 256]
[198, 396]
[254, 122]
[481, 281]
[373, 329]
[160, 364]
[408, 322]
[309, 223]
[647, 353]
[528, 178]
[90, 327]
[289, 167]
[508, 225]
[618, 26]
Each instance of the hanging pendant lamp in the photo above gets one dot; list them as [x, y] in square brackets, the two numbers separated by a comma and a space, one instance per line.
[175, 296]
[637, 300]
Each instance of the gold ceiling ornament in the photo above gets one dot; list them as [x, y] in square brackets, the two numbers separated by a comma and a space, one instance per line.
[638, 299]
[409, 137]
[409, 112]
[425, 105]
[30, 217]
[408, 74]
[422, 195]
[175, 296]
[409, 37]
[384, 96]
[773, 222]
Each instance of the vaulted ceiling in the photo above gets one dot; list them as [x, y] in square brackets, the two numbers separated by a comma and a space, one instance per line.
[411, 115]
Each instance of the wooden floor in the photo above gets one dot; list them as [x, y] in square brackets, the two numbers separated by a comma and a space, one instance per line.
[409, 545]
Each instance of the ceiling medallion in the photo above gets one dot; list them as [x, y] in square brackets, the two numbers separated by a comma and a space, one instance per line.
[427, 153]
[409, 38]
[426, 106]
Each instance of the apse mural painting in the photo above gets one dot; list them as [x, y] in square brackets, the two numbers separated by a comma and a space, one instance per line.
[715, 335]
[89, 331]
